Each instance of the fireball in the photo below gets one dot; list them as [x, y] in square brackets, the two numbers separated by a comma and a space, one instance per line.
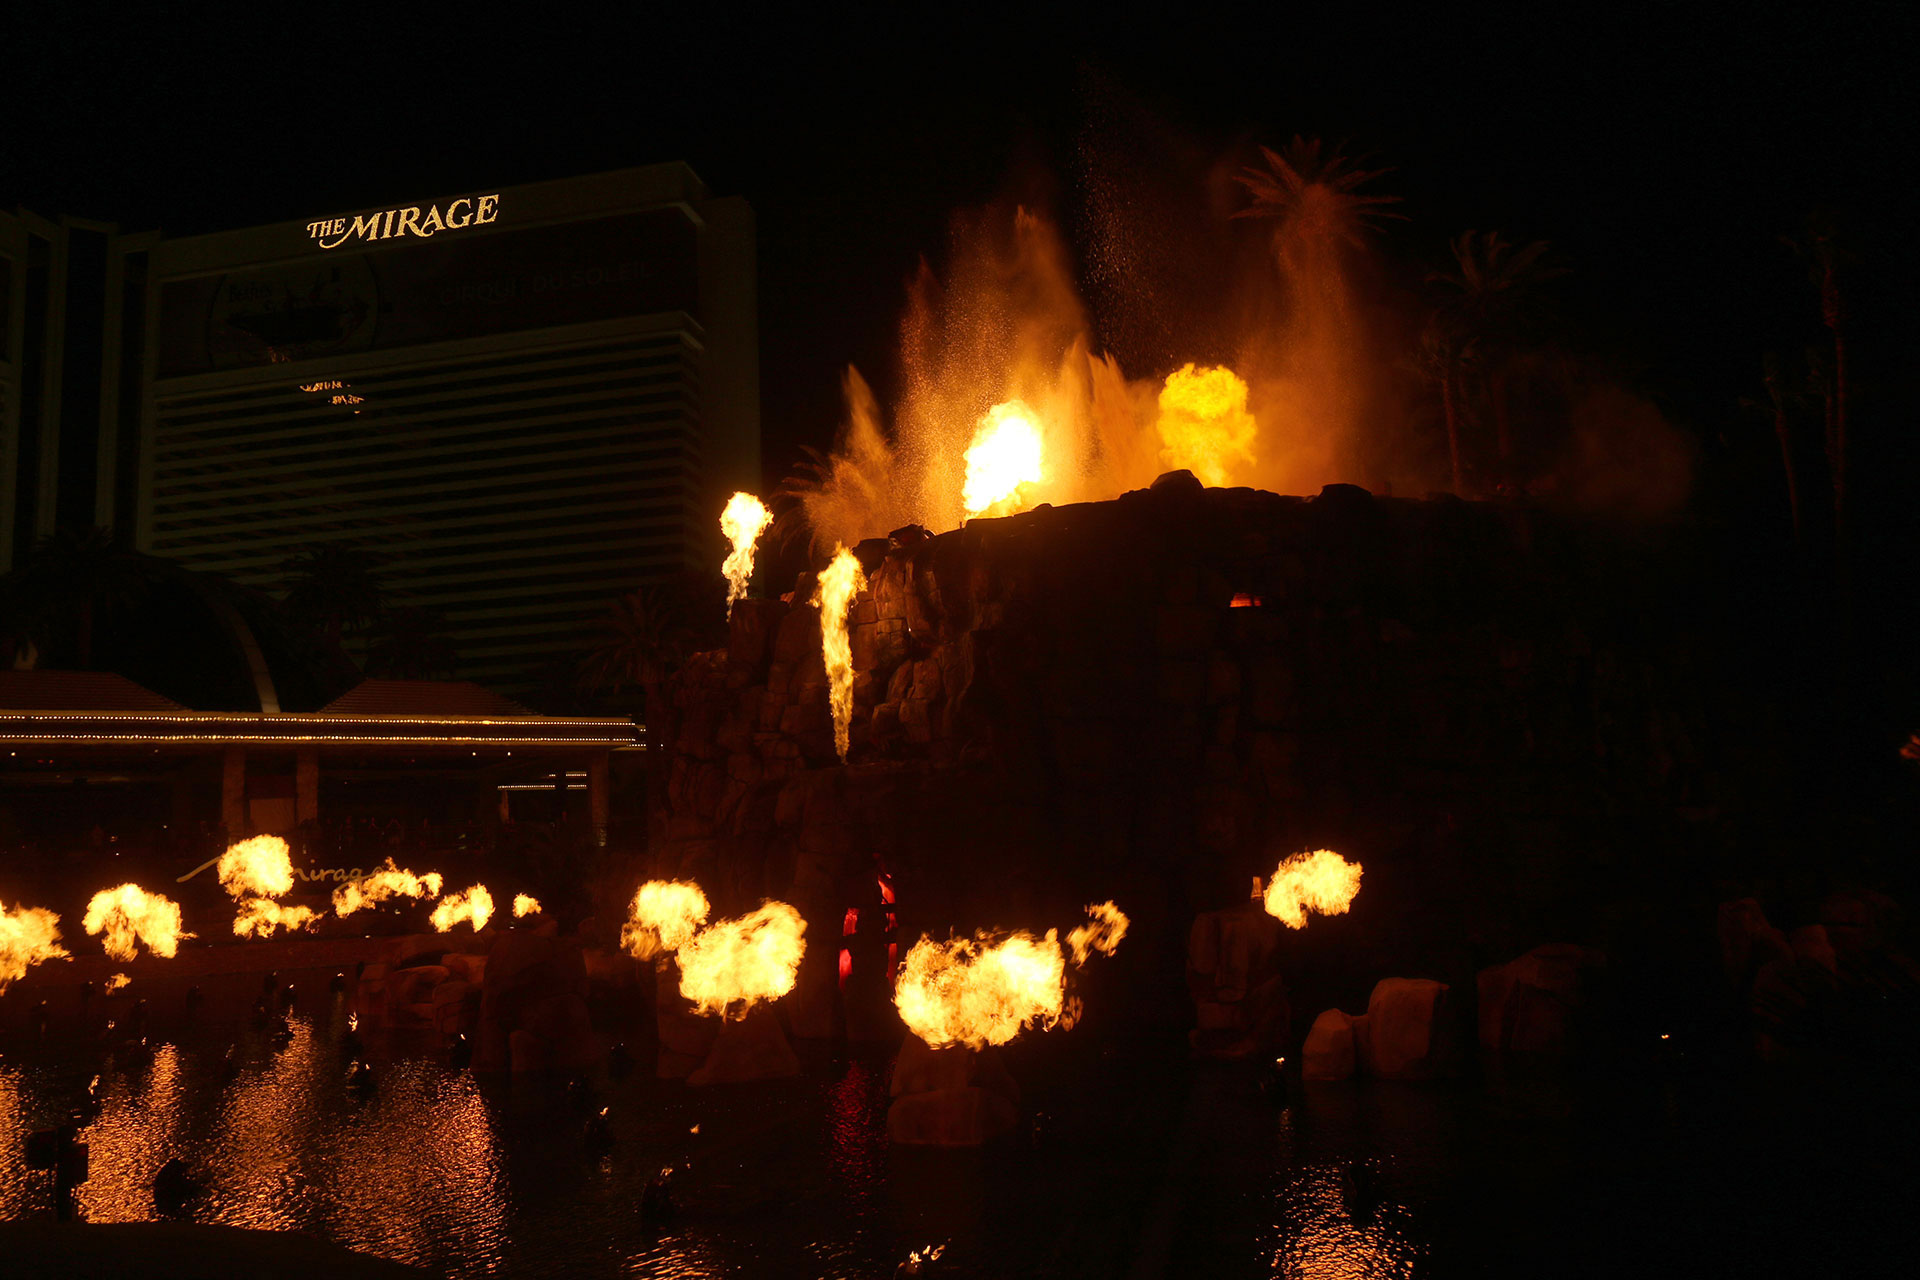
[259, 917]
[1005, 454]
[742, 523]
[663, 917]
[976, 992]
[1204, 424]
[1321, 881]
[1102, 933]
[732, 965]
[28, 936]
[387, 882]
[839, 582]
[129, 915]
[525, 904]
[258, 866]
[474, 906]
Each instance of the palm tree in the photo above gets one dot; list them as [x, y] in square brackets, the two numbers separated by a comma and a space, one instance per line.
[411, 644]
[1313, 195]
[1824, 258]
[71, 581]
[644, 638]
[1778, 397]
[335, 587]
[1490, 308]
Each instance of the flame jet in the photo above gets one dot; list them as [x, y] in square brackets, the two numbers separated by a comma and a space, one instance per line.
[729, 967]
[1204, 424]
[1321, 881]
[981, 991]
[130, 916]
[474, 906]
[839, 582]
[255, 872]
[725, 968]
[1005, 455]
[664, 917]
[28, 936]
[743, 521]
[386, 882]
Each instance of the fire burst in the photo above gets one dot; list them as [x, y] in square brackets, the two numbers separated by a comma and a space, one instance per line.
[1204, 424]
[475, 905]
[259, 917]
[387, 882]
[745, 518]
[1321, 881]
[255, 872]
[129, 915]
[28, 936]
[1005, 454]
[663, 917]
[731, 966]
[257, 866]
[980, 992]
[839, 583]
[525, 904]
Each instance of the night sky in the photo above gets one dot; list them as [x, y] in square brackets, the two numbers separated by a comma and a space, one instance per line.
[1662, 153]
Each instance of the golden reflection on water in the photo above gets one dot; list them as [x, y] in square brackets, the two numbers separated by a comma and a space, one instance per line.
[15, 1190]
[136, 1132]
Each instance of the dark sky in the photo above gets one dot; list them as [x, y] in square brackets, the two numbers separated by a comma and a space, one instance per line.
[1662, 150]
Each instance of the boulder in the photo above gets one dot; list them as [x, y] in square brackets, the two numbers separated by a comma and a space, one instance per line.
[1533, 1004]
[1747, 940]
[1329, 1053]
[1240, 1003]
[753, 1048]
[537, 984]
[920, 1069]
[969, 1117]
[1407, 1025]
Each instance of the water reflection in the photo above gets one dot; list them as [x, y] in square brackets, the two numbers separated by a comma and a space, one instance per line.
[137, 1129]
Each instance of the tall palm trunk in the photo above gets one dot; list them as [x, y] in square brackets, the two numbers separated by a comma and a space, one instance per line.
[1830, 315]
[659, 766]
[1450, 404]
[1497, 394]
[1783, 433]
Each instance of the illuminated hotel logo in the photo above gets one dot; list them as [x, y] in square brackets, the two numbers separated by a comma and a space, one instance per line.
[406, 220]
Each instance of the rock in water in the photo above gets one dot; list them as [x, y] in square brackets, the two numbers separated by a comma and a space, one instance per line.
[656, 1201]
[1329, 1053]
[173, 1187]
[754, 1048]
[1408, 1030]
[969, 1117]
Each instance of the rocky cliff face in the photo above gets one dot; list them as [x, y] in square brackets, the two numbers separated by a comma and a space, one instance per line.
[1155, 698]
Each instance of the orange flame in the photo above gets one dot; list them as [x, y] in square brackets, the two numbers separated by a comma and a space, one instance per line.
[1005, 455]
[1204, 424]
[258, 866]
[28, 936]
[730, 966]
[1321, 881]
[979, 992]
[259, 917]
[742, 522]
[387, 882]
[839, 583]
[116, 982]
[663, 917]
[129, 915]
[976, 992]
[1102, 933]
[525, 904]
[475, 906]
